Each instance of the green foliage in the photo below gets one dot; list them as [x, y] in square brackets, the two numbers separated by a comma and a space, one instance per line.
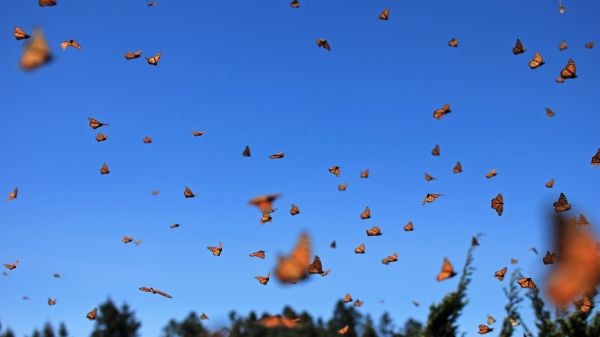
[369, 329]
[114, 322]
[344, 315]
[62, 330]
[189, 327]
[514, 298]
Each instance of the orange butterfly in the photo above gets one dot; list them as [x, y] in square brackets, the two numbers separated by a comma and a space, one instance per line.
[446, 272]
[453, 43]
[101, 137]
[70, 43]
[13, 195]
[498, 204]
[198, 133]
[366, 214]
[409, 227]
[550, 113]
[436, 150]
[294, 210]
[20, 34]
[429, 177]
[360, 249]
[216, 251]
[500, 275]
[549, 258]
[491, 174]
[550, 183]
[491, 320]
[315, 267]
[133, 55]
[323, 44]
[152, 3]
[263, 279]
[537, 61]
[589, 45]
[175, 225]
[51, 301]
[526, 282]
[441, 112]
[514, 261]
[92, 314]
[474, 241]
[36, 52]
[154, 59]
[586, 304]
[295, 4]
[155, 291]
[562, 205]
[294, 268]
[246, 152]
[430, 198]
[260, 254]
[343, 187]
[518, 48]
[563, 45]
[266, 217]
[374, 231]
[187, 193]
[457, 168]
[127, 239]
[155, 192]
[364, 174]
[203, 317]
[94, 124]
[11, 266]
[147, 140]
[391, 258]
[483, 329]
[385, 14]
[335, 170]
[47, 3]
[343, 330]
[358, 303]
[104, 169]
[333, 244]
[264, 202]
[277, 155]
[347, 298]
[569, 71]
[596, 159]
[583, 221]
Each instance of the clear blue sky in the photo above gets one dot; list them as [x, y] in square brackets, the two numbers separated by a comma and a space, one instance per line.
[249, 73]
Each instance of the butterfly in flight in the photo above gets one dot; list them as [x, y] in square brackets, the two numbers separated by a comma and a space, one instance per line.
[335, 170]
[550, 183]
[360, 249]
[498, 204]
[596, 159]
[293, 268]
[154, 59]
[277, 155]
[446, 272]
[385, 14]
[198, 133]
[563, 46]
[11, 266]
[316, 267]
[155, 291]
[51, 301]
[94, 124]
[436, 150]
[260, 254]
[390, 259]
[216, 251]
[187, 193]
[569, 71]
[13, 195]
[549, 258]
[36, 52]
[263, 279]
[100, 137]
[147, 140]
[453, 43]
[364, 174]
[295, 4]
[374, 231]
[518, 48]
[47, 3]
[500, 275]
[104, 169]
[366, 214]
[409, 227]
[457, 168]
[491, 174]
[526, 282]
[20, 34]
[430, 198]
[92, 314]
[483, 329]
[133, 55]
[246, 152]
[562, 205]
[441, 112]
[342, 187]
[70, 43]
[294, 210]
[537, 61]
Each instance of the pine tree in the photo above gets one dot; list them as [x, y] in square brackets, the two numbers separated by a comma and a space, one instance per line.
[114, 322]
[368, 329]
[189, 327]
[342, 316]
[511, 308]
[48, 330]
[62, 330]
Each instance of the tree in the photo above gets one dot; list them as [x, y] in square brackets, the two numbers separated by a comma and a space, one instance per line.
[343, 316]
[189, 327]
[512, 294]
[62, 330]
[114, 322]
[368, 328]
[48, 330]
[412, 328]
[386, 326]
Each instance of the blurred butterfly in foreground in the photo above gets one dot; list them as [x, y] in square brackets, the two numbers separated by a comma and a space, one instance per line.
[518, 48]
[453, 43]
[446, 272]
[260, 254]
[13, 195]
[430, 198]
[265, 202]
[133, 55]
[187, 193]
[537, 61]
[569, 71]
[216, 251]
[263, 279]
[391, 258]
[441, 112]
[500, 276]
[155, 291]
[293, 268]
[385, 14]
[527, 282]
[70, 43]
[562, 205]
[154, 59]
[94, 123]
[498, 204]
[596, 159]
[47, 3]
[20, 34]
[92, 314]
[323, 44]
[483, 329]
[36, 52]
[12, 265]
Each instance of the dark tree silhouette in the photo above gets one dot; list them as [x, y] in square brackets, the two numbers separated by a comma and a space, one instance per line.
[114, 322]
[62, 330]
[511, 308]
[189, 327]
[343, 315]
[368, 329]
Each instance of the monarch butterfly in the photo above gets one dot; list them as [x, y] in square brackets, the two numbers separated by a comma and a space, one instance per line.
[385, 14]
[589, 45]
[490, 319]
[152, 3]
[293, 268]
[409, 227]
[446, 272]
[263, 279]
[260, 254]
[278, 321]
[436, 150]
[358, 303]
[94, 124]
[137, 242]
[13, 195]
[549, 258]
[155, 291]
[325, 273]
[390, 259]
[264, 202]
[550, 113]
[133, 55]
[20, 34]
[11, 266]
[429, 177]
[583, 221]
[518, 48]
[562, 205]
[101, 137]
[536, 61]
[453, 43]
[569, 70]
[266, 217]
[364, 174]
[51, 301]
[47, 3]
[315, 267]
[596, 159]
[457, 168]
[491, 174]
[323, 44]
[154, 59]
[498, 204]
[198, 133]
[526, 282]
[56, 275]
[333, 244]
[70, 43]
[92, 314]
[483, 329]
[586, 304]
[216, 251]
[203, 317]
[104, 169]
[147, 140]
[374, 231]
[25, 298]
[500, 276]
[474, 241]
[514, 261]
[441, 112]
[430, 198]
[347, 298]
[155, 192]
[563, 45]
[187, 193]
[343, 330]
[342, 187]
[366, 214]
[560, 80]
[360, 249]
[175, 225]
[246, 152]
[295, 4]
[514, 322]
[127, 239]
[335, 170]
[277, 155]
[416, 304]
[36, 52]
